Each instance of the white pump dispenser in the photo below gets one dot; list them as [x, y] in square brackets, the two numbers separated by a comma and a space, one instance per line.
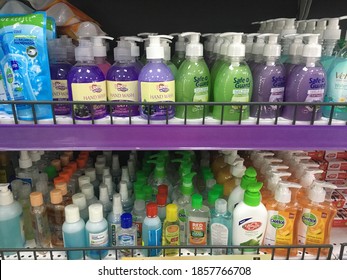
[269, 26]
[278, 25]
[180, 44]
[289, 27]
[134, 48]
[249, 44]
[84, 51]
[317, 192]
[275, 178]
[155, 50]
[209, 42]
[237, 48]
[295, 49]
[312, 50]
[320, 28]
[310, 26]
[218, 44]
[262, 26]
[99, 47]
[194, 47]
[283, 193]
[271, 48]
[258, 49]
[122, 51]
[167, 50]
[301, 26]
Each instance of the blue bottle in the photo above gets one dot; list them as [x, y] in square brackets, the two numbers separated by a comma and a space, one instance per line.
[11, 225]
[220, 226]
[74, 232]
[151, 230]
[97, 232]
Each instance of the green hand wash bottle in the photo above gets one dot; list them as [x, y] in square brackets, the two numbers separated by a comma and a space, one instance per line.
[233, 83]
[193, 80]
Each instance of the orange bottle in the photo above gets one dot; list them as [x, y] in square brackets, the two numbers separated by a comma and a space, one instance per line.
[265, 166]
[282, 220]
[315, 219]
[268, 191]
[237, 171]
[224, 173]
[306, 181]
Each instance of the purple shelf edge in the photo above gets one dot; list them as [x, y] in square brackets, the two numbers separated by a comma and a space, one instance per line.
[171, 137]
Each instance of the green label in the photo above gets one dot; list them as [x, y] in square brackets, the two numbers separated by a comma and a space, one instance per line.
[36, 19]
[309, 219]
[277, 221]
[9, 76]
[182, 216]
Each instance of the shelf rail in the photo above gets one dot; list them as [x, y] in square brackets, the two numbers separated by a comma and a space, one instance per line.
[243, 108]
[343, 251]
[305, 252]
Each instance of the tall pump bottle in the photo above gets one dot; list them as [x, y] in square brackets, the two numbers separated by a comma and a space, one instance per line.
[256, 53]
[216, 51]
[193, 80]
[282, 220]
[306, 83]
[249, 45]
[233, 83]
[59, 69]
[156, 82]
[145, 35]
[167, 55]
[295, 53]
[180, 50]
[315, 220]
[288, 28]
[269, 80]
[100, 53]
[122, 81]
[210, 40]
[87, 82]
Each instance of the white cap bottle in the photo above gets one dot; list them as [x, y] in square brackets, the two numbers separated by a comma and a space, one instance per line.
[79, 199]
[193, 48]
[154, 49]
[84, 51]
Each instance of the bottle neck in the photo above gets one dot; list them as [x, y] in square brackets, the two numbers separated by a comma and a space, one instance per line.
[85, 62]
[194, 58]
[155, 60]
[311, 61]
[271, 60]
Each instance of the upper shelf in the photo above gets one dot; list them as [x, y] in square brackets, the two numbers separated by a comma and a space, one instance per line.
[171, 137]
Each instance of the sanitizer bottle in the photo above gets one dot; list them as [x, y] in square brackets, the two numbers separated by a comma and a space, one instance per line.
[156, 82]
[192, 80]
[151, 230]
[126, 236]
[171, 230]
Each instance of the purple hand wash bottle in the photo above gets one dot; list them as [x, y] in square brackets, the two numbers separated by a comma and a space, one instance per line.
[86, 82]
[59, 68]
[122, 81]
[156, 82]
[306, 83]
[269, 80]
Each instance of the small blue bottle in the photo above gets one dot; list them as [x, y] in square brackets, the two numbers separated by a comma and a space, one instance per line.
[97, 232]
[220, 226]
[74, 232]
[151, 230]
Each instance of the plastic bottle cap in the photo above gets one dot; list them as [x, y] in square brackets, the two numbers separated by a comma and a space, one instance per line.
[95, 212]
[161, 199]
[36, 199]
[72, 213]
[6, 196]
[283, 193]
[312, 48]
[212, 196]
[163, 189]
[51, 172]
[83, 180]
[131, 167]
[117, 204]
[69, 170]
[221, 206]
[64, 159]
[57, 164]
[258, 46]
[35, 156]
[99, 48]
[103, 196]
[84, 51]
[148, 192]
[99, 167]
[194, 48]
[58, 180]
[70, 154]
[65, 175]
[115, 162]
[123, 190]
[196, 201]
[91, 173]
[80, 200]
[73, 166]
[171, 212]
[154, 49]
[125, 174]
[88, 190]
[252, 196]
[24, 160]
[56, 196]
[107, 180]
[139, 205]
[271, 48]
[126, 220]
[61, 186]
[249, 177]
[152, 210]
[81, 163]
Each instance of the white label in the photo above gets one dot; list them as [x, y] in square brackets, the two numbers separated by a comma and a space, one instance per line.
[315, 95]
[240, 95]
[276, 96]
[126, 240]
[98, 239]
[270, 236]
[219, 236]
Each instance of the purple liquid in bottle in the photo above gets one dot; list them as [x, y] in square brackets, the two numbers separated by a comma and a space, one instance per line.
[289, 68]
[86, 82]
[122, 86]
[156, 84]
[59, 72]
[268, 86]
[305, 84]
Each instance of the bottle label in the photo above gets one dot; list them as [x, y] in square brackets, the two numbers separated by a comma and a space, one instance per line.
[122, 91]
[251, 232]
[89, 92]
[139, 232]
[276, 96]
[313, 95]
[311, 228]
[182, 217]
[198, 233]
[60, 93]
[2, 88]
[154, 239]
[219, 236]
[172, 233]
[158, 91]
[26, 180]
[280, 228]
[337, 86]
[200, 95]
[126, 240]
[98, 239]
[114, 228]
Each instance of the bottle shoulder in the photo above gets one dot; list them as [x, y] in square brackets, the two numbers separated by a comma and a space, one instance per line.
[155, 72]
[86, 73]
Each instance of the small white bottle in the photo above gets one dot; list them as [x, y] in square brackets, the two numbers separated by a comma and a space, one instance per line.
[105, 200]
[127, 202]
[115, 170]
[74, 232]
[249, 220]
[83, 180]
[113, 218]
[126, 236]
[96, 232]
[26, 171]
[139, 214]
[80, 200]
[111, 186]
[91, 173]
[88, 191]
[99, 170]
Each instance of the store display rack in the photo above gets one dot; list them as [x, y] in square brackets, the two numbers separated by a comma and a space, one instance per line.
[343, 252]
[61, 133]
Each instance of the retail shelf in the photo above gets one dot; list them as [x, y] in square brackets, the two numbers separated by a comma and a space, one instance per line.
[170, 137]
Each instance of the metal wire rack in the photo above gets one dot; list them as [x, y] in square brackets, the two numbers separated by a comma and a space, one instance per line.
[204, 120]
[305, 252]
[343, 252]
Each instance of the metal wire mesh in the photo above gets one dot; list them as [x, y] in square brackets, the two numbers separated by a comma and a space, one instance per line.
[343, 252]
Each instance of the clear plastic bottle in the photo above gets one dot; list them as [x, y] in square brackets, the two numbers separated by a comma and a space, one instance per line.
[38, 211]
[88, 191]
[126, 236]
[56, 217]
[74, 232]
[105, 200]
[113, 218]
[171, 230]
[161, 202]
[67, 196]
[11, 224]
[197, 223]
[26, 171]
[91, 173]
[220, 227]
[151, 230]
[80, 200]
[127, 201]
[24, 200]
[96, 232]
[139, 214]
